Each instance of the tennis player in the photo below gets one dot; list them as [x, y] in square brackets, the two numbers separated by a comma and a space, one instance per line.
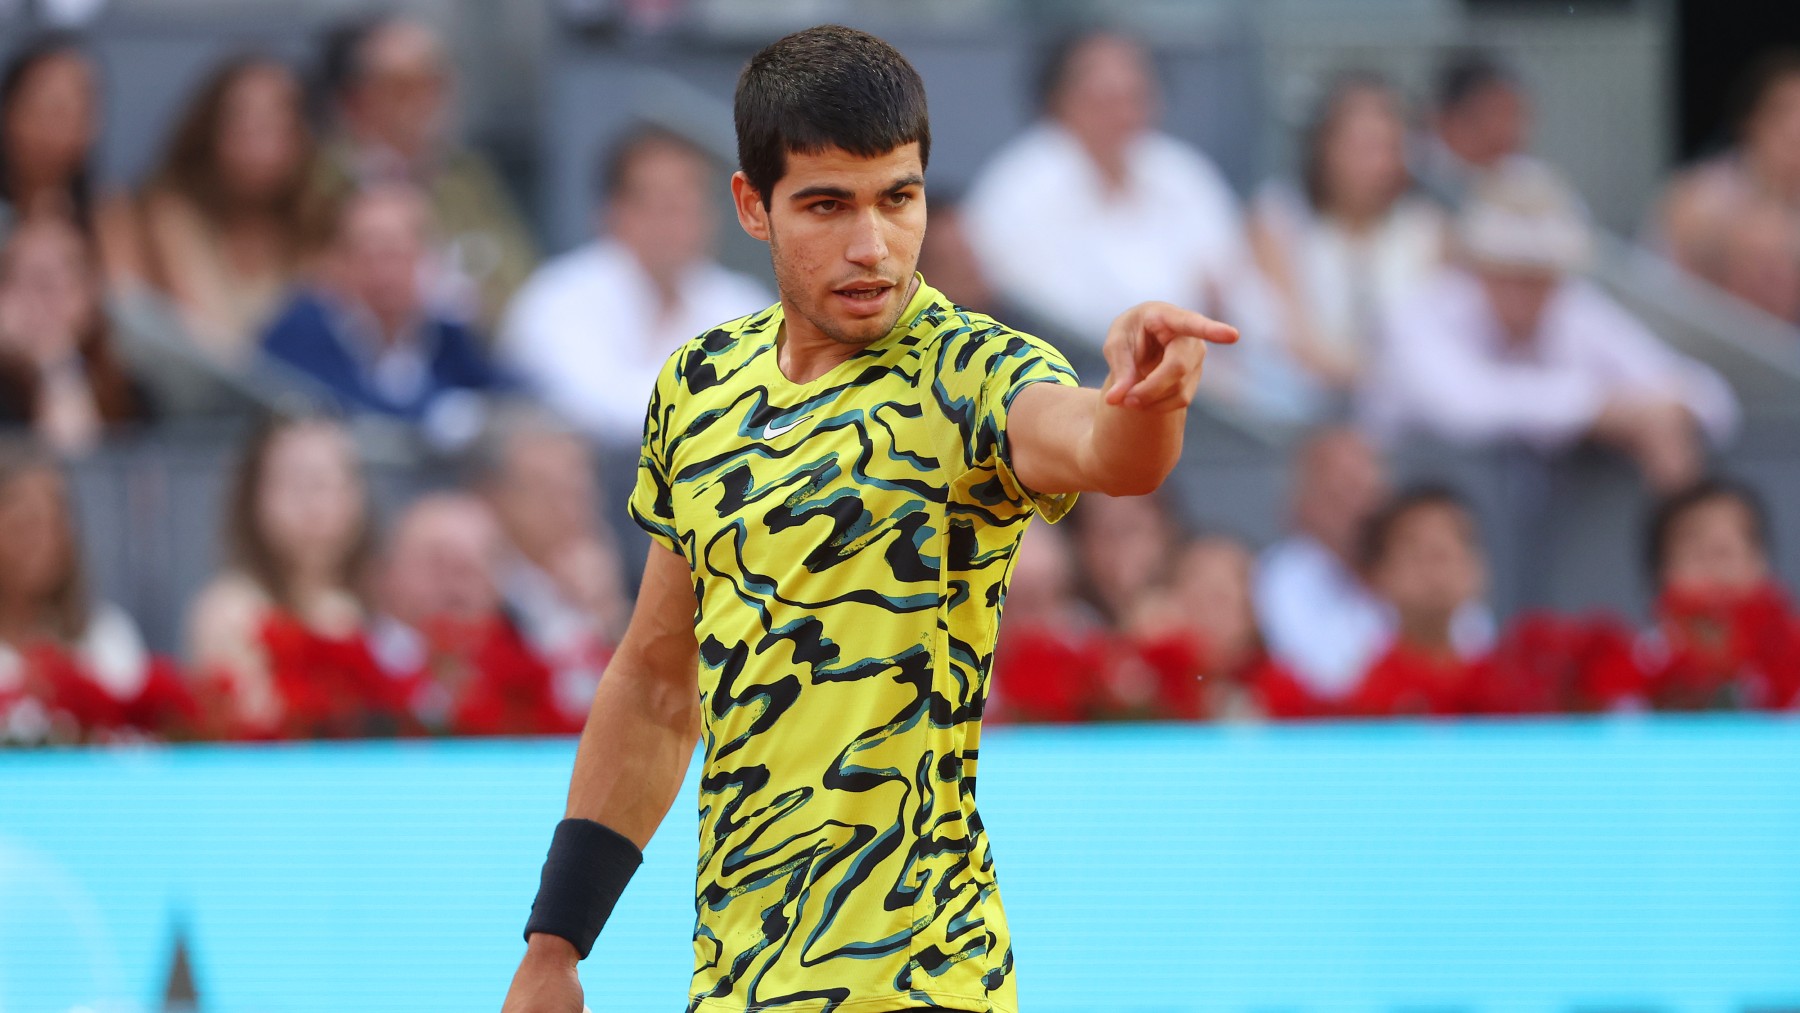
[836, 487]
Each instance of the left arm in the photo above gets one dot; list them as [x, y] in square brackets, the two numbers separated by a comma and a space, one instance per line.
[1124, 438]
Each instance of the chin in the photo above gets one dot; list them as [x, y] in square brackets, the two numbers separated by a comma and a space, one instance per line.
[858, 332]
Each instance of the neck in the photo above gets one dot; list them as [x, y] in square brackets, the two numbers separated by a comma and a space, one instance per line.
[665, 282]
[1428, 633]
[1114, 172]
[310, 582]
[1354, 218]
[35, 196]
[806, 353]
[1109, 160]
[20, 619]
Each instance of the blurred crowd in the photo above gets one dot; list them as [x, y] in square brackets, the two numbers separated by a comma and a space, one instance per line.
[316, 250]
[1374, 605]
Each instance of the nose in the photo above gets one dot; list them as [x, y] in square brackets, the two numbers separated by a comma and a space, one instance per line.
[868, 246]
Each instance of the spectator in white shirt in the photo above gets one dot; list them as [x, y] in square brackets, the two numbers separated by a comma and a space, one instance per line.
[1515, 346]
[1351, 235]
[1318, 618]
[592, 327]
[1094, 209]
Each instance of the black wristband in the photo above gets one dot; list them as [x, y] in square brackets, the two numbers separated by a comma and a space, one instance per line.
[588, 867]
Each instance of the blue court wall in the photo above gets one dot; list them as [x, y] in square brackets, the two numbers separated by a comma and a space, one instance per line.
[1625, 864]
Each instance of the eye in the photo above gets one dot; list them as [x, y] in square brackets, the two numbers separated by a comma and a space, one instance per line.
[824, 207]
[899, 200]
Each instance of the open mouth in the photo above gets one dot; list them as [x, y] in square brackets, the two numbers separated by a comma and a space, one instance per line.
[867, 294]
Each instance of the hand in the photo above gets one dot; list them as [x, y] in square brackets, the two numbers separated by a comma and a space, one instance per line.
[1155, 352]
[546, 981]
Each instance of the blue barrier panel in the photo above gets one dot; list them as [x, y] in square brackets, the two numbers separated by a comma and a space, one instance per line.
[1643, 864]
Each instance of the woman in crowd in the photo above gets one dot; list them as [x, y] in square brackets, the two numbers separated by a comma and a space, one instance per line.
[71, 668]
[1122, 545]
[49, 121]
[279, 634]
[1423, 556]
[1349, 238]
[1734, 218]
[1193, 648]
[224, 211]
[1052, 650]
[1726, 635]
[59, 373]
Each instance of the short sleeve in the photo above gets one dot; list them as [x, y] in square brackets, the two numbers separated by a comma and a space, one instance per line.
[1010, 362]
[652, 504]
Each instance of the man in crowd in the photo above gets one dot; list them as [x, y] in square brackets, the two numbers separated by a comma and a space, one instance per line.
[1515, 347]
[365, 333]
[561, 576]
[592, 327]
[440, 629]
[1321, 621]
[1093, 209]
[392, 106]
[1481, 122]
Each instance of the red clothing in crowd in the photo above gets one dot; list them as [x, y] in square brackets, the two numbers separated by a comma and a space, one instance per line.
[1407, 681]
[329, 687]
[53, 697]
[1047, 674]
[483, 679]
[1044, 674]
[1726, 652]
[1189, 683]
[1551, 664]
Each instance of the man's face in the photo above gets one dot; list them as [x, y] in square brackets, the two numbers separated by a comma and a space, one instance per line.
[440, 567]
[403, 99]
[663, 210]
[844, 234]
[382, 247]
[1108, 96]
[546, 499]
[1517, 297]
[1340, 484]
[1489, 125]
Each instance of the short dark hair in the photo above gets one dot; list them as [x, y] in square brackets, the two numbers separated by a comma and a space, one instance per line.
[1671, 509]
[340, 62]
[614, 163]
[1378, 531]
[1466, 73]
[826, 87]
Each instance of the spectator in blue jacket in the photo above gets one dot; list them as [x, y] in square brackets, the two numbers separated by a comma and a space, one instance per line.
[366, 331]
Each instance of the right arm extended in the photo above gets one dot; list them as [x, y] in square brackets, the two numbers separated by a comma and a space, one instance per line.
[633, 755]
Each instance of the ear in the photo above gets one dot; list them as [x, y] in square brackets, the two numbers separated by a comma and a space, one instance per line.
[752, 214]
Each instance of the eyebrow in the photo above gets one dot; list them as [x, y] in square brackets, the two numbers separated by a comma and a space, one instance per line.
[839, 193]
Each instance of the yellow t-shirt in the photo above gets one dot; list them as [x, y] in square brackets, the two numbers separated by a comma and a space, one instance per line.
[851, 540]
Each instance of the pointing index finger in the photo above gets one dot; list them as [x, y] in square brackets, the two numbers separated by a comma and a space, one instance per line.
[1173, 320]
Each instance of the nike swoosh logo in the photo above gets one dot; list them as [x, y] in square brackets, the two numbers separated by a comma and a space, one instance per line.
[770, 432]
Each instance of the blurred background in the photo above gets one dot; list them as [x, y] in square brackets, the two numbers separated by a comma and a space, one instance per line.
[1454, 669]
